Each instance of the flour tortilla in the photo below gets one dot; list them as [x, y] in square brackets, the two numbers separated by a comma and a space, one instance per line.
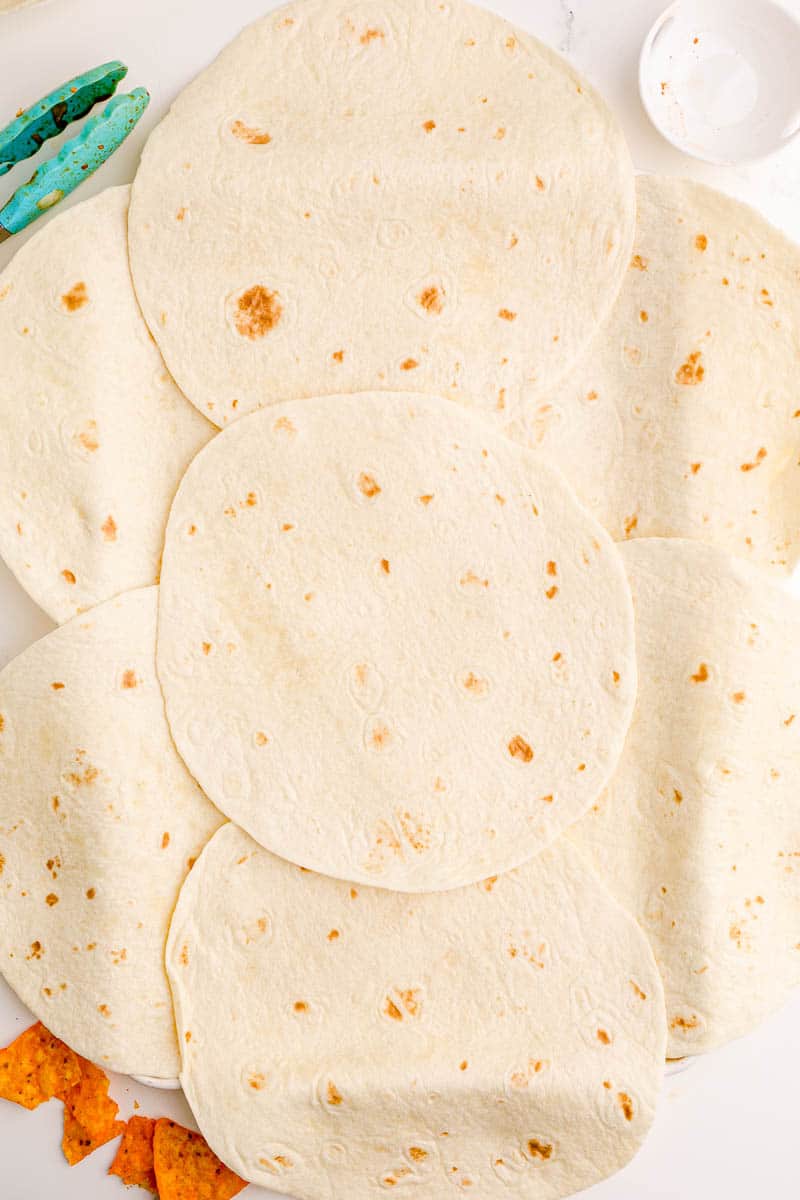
[683, 417]
[507, 1036]
[699, 833]
[99, 822]
[381, 194]
[95, 433]
[392, 645]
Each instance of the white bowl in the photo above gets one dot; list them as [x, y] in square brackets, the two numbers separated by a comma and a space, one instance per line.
[720, 79]
[164, 1085]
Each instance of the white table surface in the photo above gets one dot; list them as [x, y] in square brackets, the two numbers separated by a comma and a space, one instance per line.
[730, 1125]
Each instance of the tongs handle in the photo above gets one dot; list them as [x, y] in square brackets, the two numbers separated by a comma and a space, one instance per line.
[54, 112]
[77, 159]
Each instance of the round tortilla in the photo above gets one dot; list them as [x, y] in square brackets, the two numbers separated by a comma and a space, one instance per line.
[373, 194]
[699, 833]
[509, 1036]
[682, 419]
[392, 645]
[95, 433]
[99, 824]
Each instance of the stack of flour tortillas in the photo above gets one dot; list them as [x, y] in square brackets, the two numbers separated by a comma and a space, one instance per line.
[411, 821]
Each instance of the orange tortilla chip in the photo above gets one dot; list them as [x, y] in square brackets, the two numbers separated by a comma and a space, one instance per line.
[37, 1067]
[134, 1161]
[187, 1169]
[90, 1115]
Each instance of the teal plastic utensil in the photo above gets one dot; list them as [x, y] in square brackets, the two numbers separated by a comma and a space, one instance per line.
[54, 112]
[78, 158]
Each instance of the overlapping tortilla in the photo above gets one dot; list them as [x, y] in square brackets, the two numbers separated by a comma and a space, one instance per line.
[506, 1037]
[95, 434]
[393, 646]
[699, 833]
[399, 194]
[99, 825]
[682, 419]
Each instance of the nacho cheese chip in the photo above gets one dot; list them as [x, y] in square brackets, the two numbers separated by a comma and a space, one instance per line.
[90, 1115]
[37, 1067]
[187, 1169]
[134, 1161]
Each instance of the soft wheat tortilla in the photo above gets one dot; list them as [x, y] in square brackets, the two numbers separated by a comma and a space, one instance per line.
[381, 194]
[392, 645]
[699, 833]
[682, 419]
[507, 1037]
[99, 824]
[95, 433]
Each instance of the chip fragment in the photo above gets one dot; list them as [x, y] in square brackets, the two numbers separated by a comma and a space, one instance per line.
[187, 1169]
[90, 1115]
[37, 1067]
[134, 1163]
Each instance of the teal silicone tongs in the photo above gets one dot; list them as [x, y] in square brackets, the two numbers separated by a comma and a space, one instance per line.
[77, 159]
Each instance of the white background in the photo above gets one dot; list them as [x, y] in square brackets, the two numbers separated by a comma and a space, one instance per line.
[730, 1125]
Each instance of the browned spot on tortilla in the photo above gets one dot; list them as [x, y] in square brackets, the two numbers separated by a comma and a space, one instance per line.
[429, 126]
[474, 684]
[642, 995]
[692, 372]
[56, 686]
[537, 1149]
[696, 467]
[68, 576]
[75, 298]
[677, 796]
[129, 679]
[206, 648]
[644, 316]
[463, 1065]
[334, 1096]
[104, 1010]
[701, 675]
[630, 525]
[392, 1010]
[551, 592]
[286, 527]
[506, 314]
[385, 566]
[684, 1023]
[499, 133]
[738, 697]
[109, 529]
[285, 425]
[788, 720]
[626, 1104]
[552, 568]
[184, 956]
[353, 894]
[91, 893]
[759, 458]
[261, 738]
[430, 298]
[603, 1037]
[338, 356]
[249, 134]
[333, 935]
[180, 214]
[257, 1082]
[519, 748]
[701, 242]
[638, 263]
[417, 1153]
[165, 841]
[258, 311]
[409, 364]
[88, 437]
[50, 899]
[370, 35]
[426, 499]
[368, 485]
[380, 735]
